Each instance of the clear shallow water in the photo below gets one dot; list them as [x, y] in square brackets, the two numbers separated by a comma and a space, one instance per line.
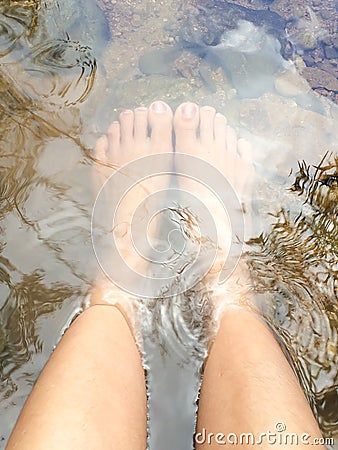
[65, 74]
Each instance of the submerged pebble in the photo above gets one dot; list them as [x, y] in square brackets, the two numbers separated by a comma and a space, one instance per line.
[159, 61]
[331, 52]
[291, 84]
[320, 78]
[308, 41]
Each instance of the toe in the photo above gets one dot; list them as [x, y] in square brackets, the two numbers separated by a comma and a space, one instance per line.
[127, 128]
[231, 140]
[101, 148]
[226, 149]
[246, 165]
[160, 122]
[141, 124]
[101, 170]
[186, 122]
[245, 159]
[220, 131]
[207, 116]
[114, 140]
[230, 156]
[245, 149]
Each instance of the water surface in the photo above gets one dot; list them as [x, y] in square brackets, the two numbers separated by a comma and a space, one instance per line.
[67, 69]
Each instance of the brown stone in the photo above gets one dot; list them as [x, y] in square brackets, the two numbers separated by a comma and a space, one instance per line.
[320, 78]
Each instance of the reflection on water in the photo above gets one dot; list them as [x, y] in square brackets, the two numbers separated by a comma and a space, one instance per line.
[65, 72]
[295, 265]
[41, 79]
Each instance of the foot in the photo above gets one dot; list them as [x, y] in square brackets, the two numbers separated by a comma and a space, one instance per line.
[137, 134]
[205, 134]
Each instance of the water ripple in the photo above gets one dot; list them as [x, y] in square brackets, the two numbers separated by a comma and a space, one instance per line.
[295, 272]
[27, 300]
[8, 37]
[61, 72]
[182, 325]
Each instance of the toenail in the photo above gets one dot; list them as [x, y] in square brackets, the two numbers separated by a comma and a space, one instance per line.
[208, 108]
[127, 112]
[189, 110]
[159, 107]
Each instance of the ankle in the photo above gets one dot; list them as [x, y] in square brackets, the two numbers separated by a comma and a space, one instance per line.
[234, 295]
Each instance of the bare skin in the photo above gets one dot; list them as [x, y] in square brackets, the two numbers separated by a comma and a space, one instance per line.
[203, 133]
[126, 141]
[91, 393]
[248, 385]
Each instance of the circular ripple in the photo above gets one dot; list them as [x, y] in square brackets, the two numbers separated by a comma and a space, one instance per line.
[61, 71]
[8, 36]
[172, 231]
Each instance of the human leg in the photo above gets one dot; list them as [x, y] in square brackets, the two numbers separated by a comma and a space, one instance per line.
[249, 387]
[91, 393]
[248, 384]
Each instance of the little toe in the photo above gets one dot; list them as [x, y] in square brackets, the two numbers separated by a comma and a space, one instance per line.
[244, 149]
[101, 148]
[246, 165]
[127, 129]
[231, 140]
[114, 141]
[103, 167]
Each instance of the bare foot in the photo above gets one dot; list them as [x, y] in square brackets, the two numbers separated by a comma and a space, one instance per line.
[202, 134]
[205, 134]
[137, 134]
